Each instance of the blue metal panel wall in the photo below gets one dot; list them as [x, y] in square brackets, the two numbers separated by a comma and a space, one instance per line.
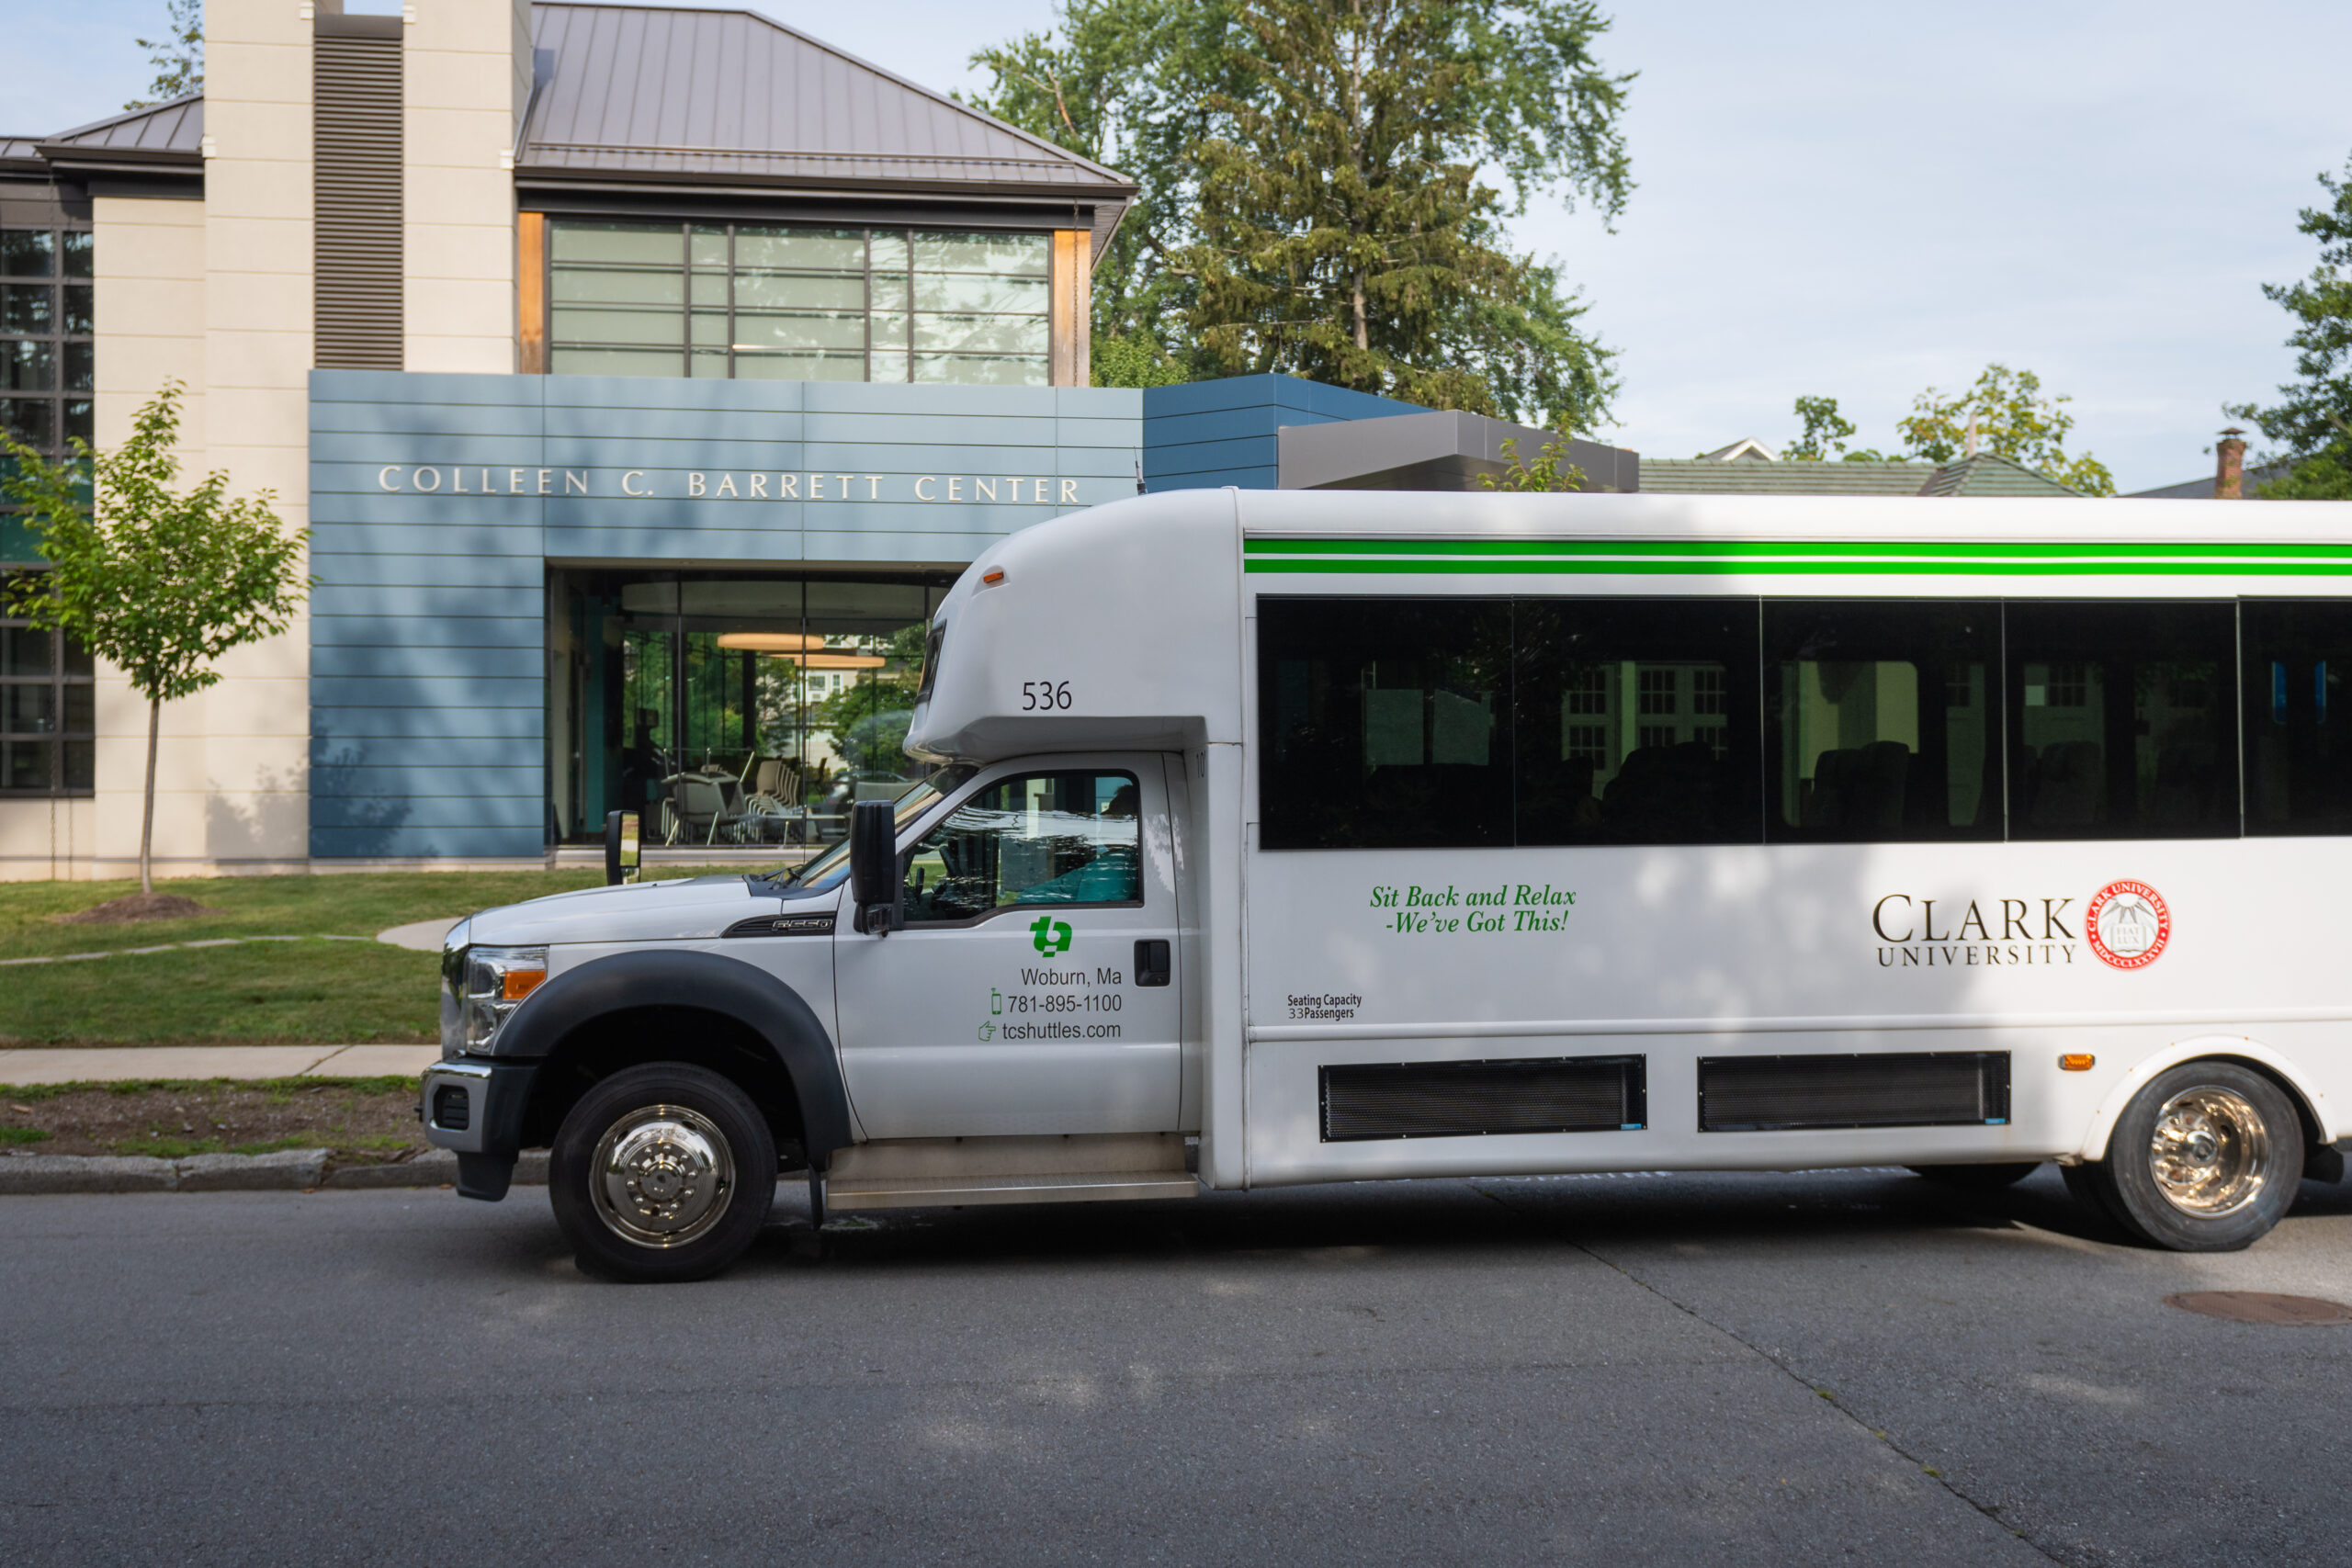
[1200, 435]
[429, 639]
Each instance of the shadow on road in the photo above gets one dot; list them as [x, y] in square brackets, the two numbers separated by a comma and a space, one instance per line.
[1339, 1223]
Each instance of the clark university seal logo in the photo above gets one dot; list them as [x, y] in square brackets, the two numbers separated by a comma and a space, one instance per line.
[2127, 924]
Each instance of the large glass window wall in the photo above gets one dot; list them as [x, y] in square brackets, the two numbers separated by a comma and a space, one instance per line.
[741, 709]
[48, 709]
[795, 303]
[46, 326]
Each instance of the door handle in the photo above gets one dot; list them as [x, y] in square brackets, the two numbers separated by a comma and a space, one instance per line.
[1154, 967]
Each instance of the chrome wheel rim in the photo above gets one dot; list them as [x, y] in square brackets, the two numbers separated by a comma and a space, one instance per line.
[2211, 1152]
[662, 1176]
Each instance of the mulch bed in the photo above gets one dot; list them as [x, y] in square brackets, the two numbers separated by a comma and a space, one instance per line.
[136, 906]
[369, 1122]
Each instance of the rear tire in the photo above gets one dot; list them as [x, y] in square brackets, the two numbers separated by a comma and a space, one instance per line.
[1977, 1177]
[661, 1172]
[2206, 1158]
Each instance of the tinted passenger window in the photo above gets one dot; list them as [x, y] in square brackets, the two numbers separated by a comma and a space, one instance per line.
[2298, 750]
[2122, 720]
[1058, 838]
[1383, 724]
[1880, 718]
[1636, 721]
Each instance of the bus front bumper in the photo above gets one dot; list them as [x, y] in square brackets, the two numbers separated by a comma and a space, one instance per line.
[474, 1109]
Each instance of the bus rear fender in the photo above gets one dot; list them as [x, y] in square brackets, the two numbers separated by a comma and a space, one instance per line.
[2239, 1048]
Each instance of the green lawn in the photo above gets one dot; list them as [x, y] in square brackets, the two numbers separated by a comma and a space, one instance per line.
[295, 992]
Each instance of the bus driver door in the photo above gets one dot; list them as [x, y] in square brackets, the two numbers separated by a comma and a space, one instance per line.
[1031, 986]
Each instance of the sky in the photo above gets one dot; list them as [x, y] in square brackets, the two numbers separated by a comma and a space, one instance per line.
[1856, 200]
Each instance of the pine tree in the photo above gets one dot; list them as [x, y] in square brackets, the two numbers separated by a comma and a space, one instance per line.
[2312, 423]
[1345, 235]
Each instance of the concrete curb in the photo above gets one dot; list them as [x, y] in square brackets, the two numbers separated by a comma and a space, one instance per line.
[288, 1170]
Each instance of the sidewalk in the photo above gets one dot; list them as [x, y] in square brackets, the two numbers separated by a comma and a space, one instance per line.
[102, 1064]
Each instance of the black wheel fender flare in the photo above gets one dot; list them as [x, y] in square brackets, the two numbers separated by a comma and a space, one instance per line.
[707, 983]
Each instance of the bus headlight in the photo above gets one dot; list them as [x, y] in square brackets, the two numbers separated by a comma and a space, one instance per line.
[494, 982]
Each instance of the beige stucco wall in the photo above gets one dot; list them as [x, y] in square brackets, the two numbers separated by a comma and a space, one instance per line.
[233, 789]
[465, 82]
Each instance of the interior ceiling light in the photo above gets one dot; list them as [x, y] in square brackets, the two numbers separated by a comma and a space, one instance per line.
[768, 642]
[833, 660]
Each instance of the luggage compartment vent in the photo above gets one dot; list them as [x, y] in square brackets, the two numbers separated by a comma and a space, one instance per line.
[1912, 1088]
[1469, 1100]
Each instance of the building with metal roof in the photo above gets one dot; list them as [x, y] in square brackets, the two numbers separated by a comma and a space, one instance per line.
[643, 375]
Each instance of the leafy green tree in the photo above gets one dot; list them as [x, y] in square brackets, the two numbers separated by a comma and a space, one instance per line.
[1825, 436]
[2012, 419]
[177, 56]
[1344, 232]
[1127, 84]
[1550, 470]
[2312, 422]
[157, 583]
[1133, 360]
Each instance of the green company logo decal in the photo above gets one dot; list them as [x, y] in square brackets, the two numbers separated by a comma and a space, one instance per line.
[1811, 557]
[1049, 935]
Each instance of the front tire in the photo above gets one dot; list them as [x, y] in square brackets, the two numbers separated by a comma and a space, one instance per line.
[2206, 1158]
[661, 1172]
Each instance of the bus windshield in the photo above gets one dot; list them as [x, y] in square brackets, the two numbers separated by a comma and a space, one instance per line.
[826, 871]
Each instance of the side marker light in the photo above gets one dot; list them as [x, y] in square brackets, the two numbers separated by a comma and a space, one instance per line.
[993, 576]
[517, 984]
[2074, 1062]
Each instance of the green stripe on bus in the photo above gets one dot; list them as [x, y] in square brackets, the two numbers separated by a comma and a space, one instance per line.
[1694, 567]
[2004, 551]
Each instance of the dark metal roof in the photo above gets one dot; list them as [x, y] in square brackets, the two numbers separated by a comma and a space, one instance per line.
[663, 95]
[171, 133]
[2203, 490]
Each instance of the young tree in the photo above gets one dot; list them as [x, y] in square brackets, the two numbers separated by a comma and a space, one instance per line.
[158, 584]
[2011, 419]
[177, 56]
[1344, 232]
[2312, 423]
[1550, 470]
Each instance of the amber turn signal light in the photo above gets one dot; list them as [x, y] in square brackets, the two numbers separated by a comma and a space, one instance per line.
[2072, 1062]
[993, 576]
[520, 983]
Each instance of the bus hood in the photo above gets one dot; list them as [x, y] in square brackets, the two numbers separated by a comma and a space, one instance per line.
[680, 911]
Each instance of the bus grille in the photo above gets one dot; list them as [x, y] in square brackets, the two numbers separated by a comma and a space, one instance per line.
[1916, 1088]
[1467, 1100]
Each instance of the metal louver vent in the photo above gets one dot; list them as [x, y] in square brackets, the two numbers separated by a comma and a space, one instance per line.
[1907, 1088]
[1463, 1099]
[356, 66]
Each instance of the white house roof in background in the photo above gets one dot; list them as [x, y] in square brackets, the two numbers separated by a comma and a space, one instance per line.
[1747, 449]
[653, 94]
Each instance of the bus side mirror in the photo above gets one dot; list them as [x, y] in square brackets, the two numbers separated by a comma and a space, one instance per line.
[620, 848]
[874, 866]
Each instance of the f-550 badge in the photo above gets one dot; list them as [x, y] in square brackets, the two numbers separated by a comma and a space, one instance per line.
[1049, 935]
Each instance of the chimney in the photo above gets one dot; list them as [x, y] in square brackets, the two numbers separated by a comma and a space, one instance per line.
[2228, 466]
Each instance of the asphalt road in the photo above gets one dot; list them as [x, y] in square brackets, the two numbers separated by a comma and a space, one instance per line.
[1813, 1368]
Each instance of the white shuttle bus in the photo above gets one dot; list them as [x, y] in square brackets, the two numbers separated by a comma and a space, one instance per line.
[1297, 837]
